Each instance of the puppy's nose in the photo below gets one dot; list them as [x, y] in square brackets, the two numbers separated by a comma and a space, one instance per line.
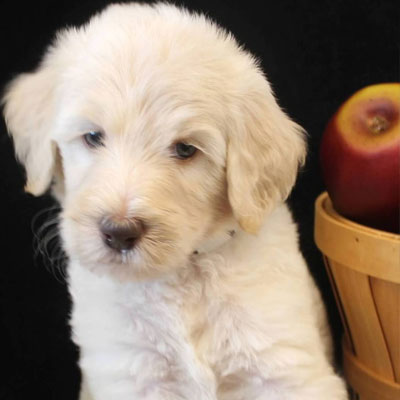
[121, 234]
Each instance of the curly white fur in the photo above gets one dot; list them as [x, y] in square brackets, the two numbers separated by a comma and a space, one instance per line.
[215, 301]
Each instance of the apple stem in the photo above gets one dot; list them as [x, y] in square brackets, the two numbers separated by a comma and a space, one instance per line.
[378, 124]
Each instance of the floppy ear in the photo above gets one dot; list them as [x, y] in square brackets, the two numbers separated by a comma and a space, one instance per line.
[28, 110]
[264, 153]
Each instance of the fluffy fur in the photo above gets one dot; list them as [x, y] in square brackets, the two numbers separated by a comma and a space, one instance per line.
[215, 301]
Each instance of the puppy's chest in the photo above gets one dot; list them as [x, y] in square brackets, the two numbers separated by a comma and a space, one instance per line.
[195, 317]
[213, 318]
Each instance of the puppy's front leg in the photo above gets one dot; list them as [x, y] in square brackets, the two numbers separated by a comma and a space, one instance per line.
[141, 375]
[133, 343]
[302, 382]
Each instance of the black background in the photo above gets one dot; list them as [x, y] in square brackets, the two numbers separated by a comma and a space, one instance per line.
[315, 53]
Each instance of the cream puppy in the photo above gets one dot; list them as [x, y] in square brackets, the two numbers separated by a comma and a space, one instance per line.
[172, 161]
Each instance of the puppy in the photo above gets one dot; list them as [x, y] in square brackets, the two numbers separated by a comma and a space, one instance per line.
[171, 159]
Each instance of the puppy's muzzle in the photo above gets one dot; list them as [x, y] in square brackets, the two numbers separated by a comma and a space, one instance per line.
[121, 234]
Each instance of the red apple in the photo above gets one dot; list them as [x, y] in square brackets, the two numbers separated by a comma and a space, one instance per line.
[360, 157]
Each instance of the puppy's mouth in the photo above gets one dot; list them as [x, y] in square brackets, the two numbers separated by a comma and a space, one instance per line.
[155, 251]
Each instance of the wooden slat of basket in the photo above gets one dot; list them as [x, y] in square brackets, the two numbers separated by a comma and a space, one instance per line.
[347, 335]
[365, 328]
[366, 382]
[387, 300]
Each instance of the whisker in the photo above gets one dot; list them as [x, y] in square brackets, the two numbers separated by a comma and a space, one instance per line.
[47, 242]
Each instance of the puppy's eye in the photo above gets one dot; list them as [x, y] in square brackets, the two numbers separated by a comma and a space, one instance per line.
[184, 151]
[93, 139]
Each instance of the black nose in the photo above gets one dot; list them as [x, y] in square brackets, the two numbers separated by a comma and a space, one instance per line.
[121, 234]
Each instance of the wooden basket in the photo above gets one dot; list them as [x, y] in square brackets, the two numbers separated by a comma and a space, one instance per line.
[363, 265]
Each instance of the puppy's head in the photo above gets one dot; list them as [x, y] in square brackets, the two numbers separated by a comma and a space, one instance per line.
[156, 128]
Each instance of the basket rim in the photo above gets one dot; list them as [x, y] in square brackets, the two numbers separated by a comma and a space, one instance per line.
[367, 250]
[324, 205]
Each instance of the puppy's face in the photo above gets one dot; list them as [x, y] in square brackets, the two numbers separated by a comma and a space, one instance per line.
[144, 172]
[155, 135]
